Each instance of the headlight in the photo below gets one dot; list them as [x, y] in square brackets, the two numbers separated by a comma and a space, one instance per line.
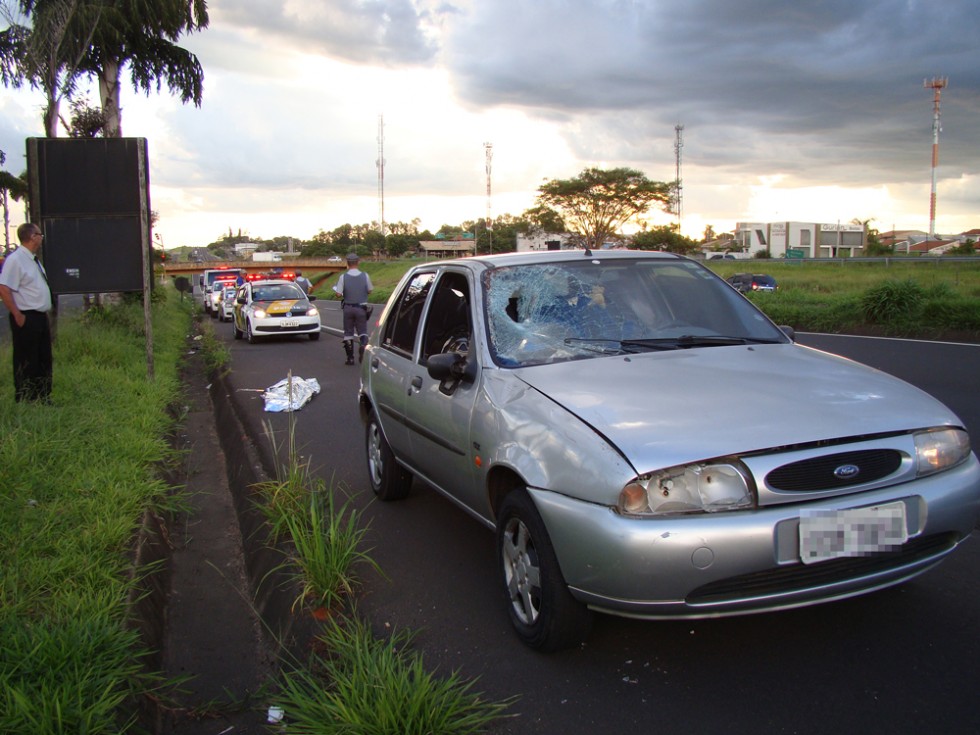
[259, 313]
[696, 488]
[312, 311]
[939, 450]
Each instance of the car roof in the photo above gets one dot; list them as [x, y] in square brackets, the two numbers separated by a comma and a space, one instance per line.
[539, 257]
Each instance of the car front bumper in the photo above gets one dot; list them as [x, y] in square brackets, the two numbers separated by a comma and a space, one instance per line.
[711, 565]
[297, 325]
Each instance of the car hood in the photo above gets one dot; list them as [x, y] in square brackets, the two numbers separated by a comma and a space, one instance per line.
[669, 408]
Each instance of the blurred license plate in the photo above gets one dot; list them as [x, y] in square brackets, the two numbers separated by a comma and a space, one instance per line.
[833, 534]
[287, 323]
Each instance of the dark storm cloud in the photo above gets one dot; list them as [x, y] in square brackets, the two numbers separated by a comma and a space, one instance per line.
[382, 32]
[832, 90]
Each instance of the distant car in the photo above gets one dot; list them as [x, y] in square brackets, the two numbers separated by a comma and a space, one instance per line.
[335, 259]
[209, 279]
[226, 311]
[719, 256]
[745, 282]
[213, 295]
[589, 408]
[273, 308]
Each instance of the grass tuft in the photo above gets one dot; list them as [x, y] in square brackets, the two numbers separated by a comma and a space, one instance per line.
[363, 685]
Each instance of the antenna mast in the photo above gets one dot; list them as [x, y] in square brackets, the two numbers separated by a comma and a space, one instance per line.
[937, 84]
[488, 147]
[380, 163]
[678, 189]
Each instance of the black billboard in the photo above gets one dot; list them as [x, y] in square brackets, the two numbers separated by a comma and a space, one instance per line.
[91, 198]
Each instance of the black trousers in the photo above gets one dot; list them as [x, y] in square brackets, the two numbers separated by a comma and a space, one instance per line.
[32, 357]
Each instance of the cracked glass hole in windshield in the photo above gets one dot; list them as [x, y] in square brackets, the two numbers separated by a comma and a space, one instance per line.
[578, 309]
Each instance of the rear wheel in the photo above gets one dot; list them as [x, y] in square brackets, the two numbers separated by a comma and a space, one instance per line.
[389, 480]
[234, 326]
[542, 610]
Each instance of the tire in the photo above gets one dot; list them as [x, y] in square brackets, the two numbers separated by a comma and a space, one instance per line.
[249, 334]
[234, 326]
[314, 336]
[389, 480]
[543, 612]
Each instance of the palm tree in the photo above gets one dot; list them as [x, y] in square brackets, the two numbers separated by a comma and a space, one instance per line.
[11, 187]
[142, 33]
[47, 54]
[70, 38]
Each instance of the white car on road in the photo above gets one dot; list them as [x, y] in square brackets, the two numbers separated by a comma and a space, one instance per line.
[272, 308]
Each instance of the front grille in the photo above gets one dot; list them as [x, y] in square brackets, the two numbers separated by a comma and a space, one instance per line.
[808, 576]
[819, 473]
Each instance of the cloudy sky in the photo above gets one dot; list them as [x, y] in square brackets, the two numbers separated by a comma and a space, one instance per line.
[803, 111]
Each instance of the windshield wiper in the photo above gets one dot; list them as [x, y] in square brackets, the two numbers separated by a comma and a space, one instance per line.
[685, 341]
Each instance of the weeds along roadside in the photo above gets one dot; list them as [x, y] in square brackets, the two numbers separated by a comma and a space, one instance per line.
[77, 478]
[337, 689]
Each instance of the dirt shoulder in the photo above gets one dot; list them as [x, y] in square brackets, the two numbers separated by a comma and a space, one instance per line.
[212, 636]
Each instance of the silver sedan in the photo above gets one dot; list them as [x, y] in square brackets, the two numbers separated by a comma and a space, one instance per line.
[644, 442]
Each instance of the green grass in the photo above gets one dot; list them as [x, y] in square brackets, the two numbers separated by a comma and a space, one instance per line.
[358, 684]
[321, 526]
[924, 299]
[76, 479]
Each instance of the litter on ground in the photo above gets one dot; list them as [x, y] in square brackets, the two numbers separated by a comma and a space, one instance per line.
[290, 394]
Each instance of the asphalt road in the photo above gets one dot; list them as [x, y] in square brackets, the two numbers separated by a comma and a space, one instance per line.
[901, 660]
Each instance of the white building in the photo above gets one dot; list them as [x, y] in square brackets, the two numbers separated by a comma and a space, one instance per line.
[548, 241]
[801, 239]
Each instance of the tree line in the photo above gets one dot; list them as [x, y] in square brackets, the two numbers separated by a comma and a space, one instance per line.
[591, 209]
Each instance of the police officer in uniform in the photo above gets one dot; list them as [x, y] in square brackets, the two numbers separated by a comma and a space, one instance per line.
[354, 286]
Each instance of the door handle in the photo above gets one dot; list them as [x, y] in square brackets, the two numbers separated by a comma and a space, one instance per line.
[416, 384]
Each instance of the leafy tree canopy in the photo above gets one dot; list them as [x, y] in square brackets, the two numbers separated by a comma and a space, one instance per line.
[664, 238]
[598, 202]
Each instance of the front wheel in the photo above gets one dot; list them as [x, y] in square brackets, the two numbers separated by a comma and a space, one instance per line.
[314, 336]
[249, 334]
[389, 480]
[542, 610]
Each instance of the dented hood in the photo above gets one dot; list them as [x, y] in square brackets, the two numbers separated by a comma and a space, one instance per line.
[667, 408]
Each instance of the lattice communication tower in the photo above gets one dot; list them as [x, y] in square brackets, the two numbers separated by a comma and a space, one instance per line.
[678, 188]
[488, 148]
[937, 85]
[380, 163]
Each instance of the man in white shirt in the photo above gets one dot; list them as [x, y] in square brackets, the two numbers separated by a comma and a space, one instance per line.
[24, 291]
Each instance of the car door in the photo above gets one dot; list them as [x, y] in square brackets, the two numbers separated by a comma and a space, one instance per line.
[393, 363]
[439, 413]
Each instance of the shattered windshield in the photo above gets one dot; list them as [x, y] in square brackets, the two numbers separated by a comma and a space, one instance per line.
[578, 309]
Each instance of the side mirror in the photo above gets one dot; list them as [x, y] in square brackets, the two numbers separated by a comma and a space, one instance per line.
[310, 297]
[451, 366]
[788, 331]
